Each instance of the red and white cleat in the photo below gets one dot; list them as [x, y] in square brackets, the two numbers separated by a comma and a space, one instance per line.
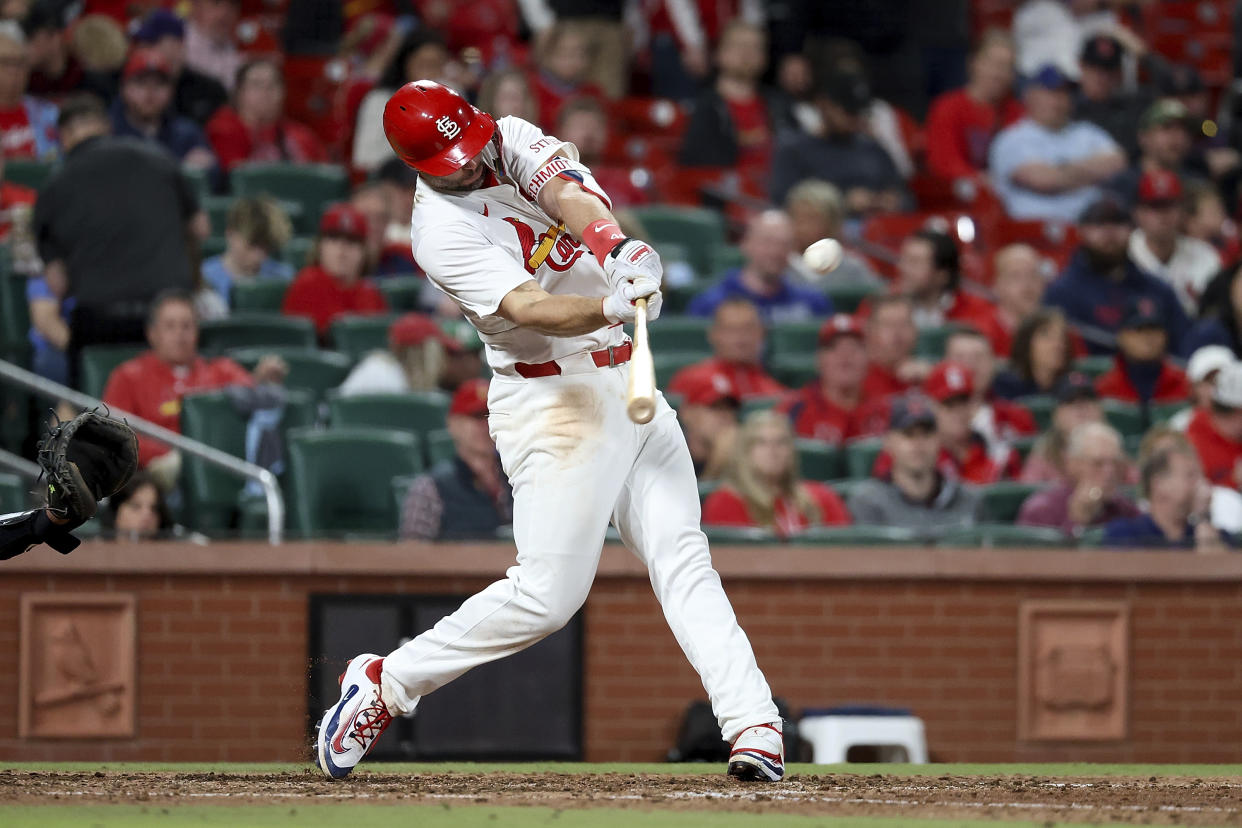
[350, 727]
[758, 754]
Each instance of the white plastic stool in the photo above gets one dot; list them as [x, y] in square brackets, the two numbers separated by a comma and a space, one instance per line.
[832, 735]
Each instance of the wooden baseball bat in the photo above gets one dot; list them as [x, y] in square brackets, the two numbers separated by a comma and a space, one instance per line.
[640, 396]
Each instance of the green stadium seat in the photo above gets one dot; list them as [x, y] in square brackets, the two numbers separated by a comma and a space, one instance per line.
[419, 412]
[400, 488]
[28, 172]
[742, 535]
[1094, 366]
[313, 186]
[259, 295]
[402, 292]
[677, 297]
[679, 333]
[1127, 418]
[1023, 445]
[725, 258]
[1163, 412]
[847, 298]
[818, 459]
[98, 362]
[297, 251]
[217, 210]
[668, 363]
[794, 338]
[357, 336]
[1001, 501]
[1041, 407]
[706, 487]
[315, 370]
[14, 319]
[700, 229]
[211, 247]
[439, 446]
[1005, 535]
[860, 456]
[333, 477]
[845, 488]
[793, 370]
[14, 495]
[1092, 537]
[856, 536]
[245, 330]
[931, 341]
[199, 181]
[211, 493]
[753, 404]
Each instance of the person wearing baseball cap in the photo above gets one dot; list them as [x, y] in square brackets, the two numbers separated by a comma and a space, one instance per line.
[710, 406]
[414, 360]
[1048, 166]
[914, 493]
[736, 337]
[997, 420]
[1216, 432]
[195, 95]
[332, 284]
[143, 110]
[1202, 370]
[1076, 403]
[1159, 246]
[1100, 282]
[832, 406]
[1142, 372]
[1102, 97]
[466, 497]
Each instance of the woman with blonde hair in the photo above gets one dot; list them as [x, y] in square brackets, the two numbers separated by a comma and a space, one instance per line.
[762, 487]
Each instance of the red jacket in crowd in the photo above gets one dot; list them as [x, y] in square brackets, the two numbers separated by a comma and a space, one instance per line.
[960, 130]
[814, 415]
[322, 297]
[235, 143]
[726, 507]
[151, 388]
[881, 383]
[1217, 453]
[746, 380]
[1171, 386]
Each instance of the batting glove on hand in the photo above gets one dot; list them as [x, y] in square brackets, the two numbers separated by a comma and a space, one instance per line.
[632, 259]
[619, 307]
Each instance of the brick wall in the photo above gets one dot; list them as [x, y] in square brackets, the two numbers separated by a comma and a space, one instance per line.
[222, 657]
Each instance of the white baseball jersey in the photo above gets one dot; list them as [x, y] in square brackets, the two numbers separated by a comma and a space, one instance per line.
[478, 246]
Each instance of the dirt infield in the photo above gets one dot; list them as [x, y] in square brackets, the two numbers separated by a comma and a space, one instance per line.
[1165, 801]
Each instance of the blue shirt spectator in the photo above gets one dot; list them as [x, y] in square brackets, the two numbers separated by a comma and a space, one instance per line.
[1178, 507]
[1101, 281]
[217, 274]
[255, 231]
[47, 360]
[1047, 166]
[765, 280]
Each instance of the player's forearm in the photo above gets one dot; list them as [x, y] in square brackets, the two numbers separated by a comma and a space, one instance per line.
[562, 315]
[577, 209]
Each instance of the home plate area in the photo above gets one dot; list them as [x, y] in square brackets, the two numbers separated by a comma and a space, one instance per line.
[1154, 800]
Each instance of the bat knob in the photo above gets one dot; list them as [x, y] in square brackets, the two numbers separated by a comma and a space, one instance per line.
[641, 411]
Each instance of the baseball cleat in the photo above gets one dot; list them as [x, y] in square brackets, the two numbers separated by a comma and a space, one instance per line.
[758, 754]
[350, 727]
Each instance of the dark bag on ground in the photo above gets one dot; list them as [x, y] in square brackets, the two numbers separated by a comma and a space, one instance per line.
[699, 739]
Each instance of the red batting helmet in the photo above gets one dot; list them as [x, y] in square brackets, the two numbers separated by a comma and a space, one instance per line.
[433, 129]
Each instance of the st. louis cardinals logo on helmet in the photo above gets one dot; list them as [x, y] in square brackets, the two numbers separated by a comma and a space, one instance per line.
[448, 127]
[557, 250]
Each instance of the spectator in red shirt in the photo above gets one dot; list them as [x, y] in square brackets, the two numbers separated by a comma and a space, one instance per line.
[929, 272]
[962, 123]
[584, 124]
[763, 488]
[1018, 284]
[27, 124]
[332, 284]
[564, 65]
[964, 453]
[1143, 372]
[254, 127]
[1216, 432]
[736, 337]
[734, 121]
[998, 421]
[1209, 221]
[152, 384]
[890, 339]
[832, 406]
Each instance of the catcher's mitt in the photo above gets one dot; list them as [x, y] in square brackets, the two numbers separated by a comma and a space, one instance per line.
[85, 460]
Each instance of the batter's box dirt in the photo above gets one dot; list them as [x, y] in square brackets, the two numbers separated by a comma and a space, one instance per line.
[1158, 800]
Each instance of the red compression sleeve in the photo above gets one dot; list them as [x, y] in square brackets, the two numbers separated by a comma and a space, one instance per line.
[601, 236]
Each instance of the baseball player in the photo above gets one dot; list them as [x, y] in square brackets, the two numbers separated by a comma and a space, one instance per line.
[516, 231]
[84, 460]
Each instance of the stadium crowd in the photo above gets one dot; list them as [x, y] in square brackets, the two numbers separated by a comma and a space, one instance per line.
[1034, 335]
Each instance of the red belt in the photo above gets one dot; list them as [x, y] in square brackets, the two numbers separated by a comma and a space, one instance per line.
[607, 358]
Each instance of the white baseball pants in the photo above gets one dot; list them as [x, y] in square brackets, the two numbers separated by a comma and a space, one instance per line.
[575, 460]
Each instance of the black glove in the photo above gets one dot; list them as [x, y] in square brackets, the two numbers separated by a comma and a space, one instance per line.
[85, 460]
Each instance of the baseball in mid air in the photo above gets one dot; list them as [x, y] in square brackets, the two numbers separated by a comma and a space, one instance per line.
[823, 256]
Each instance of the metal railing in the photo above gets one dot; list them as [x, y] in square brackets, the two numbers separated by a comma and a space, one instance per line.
[13, 375]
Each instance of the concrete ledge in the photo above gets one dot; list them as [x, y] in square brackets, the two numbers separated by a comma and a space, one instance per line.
[776, 563]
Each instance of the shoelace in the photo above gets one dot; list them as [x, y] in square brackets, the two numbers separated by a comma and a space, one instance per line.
[370, 723]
